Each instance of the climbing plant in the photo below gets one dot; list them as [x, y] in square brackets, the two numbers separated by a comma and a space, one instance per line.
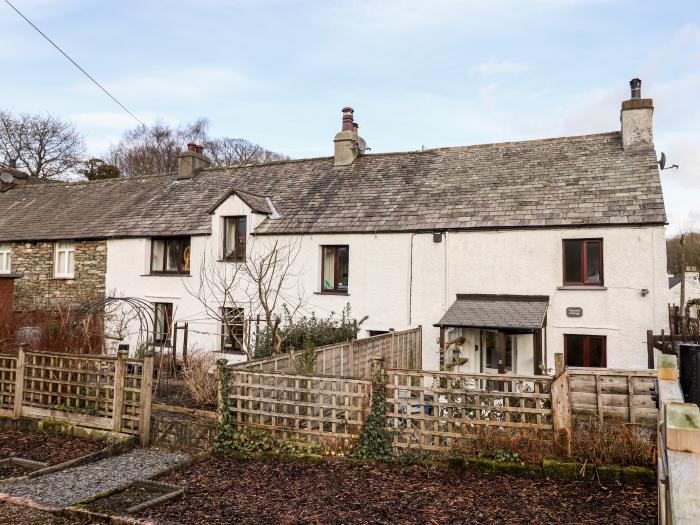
[375, 440]
[225, 435]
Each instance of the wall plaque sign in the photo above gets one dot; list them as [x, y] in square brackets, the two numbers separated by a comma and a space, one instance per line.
[574, 311]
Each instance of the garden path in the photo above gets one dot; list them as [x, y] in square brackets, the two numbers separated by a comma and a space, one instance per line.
[67, 487]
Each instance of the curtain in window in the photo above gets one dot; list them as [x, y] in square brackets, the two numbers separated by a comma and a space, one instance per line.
[328, 269]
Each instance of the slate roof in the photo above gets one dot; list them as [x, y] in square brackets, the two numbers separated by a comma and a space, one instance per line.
[522, 312]
[569, 181]
[673, 280]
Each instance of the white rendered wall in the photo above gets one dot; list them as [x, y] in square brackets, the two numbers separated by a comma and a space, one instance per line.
[384, 267]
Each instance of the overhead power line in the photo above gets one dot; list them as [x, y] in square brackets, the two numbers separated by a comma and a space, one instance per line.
[92, 79]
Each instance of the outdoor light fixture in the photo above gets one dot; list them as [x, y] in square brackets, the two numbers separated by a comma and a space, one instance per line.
[645, 292]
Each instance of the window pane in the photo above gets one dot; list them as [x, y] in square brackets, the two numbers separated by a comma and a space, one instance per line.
[573, 265]
[185, 262]
[574, 350]
[328, 268]
[344, 268]
[241, 238]
[490, 344]
[172, 255]
[593, 258]
[61, 263]
[70, 265]
[510, 350]
[595, 351]
[157, 255]
[230, 237]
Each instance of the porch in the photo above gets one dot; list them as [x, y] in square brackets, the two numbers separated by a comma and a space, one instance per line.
[493, 333]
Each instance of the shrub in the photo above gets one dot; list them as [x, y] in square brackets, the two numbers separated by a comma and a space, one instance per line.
[612, 443]
[375, 440]
[320, 331]
[199, 376]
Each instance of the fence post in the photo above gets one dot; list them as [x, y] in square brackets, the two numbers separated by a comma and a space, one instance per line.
[19, 380]
[146, 395]
[118, 392]
[558, 365]
[561, 408]
[392, 348]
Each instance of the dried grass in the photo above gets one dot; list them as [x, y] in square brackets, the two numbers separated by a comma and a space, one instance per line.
[200, 377]
[613, 443]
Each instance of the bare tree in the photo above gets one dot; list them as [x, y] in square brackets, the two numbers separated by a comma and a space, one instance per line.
[228, 151]
[44, 146]
[264, 284]
[145, 151]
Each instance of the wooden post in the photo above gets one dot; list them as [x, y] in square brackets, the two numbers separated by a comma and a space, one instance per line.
[561, 408]
[442, 348]
[19, 380]
[537, 351]
[118, 392]
[184, 343]
[558, 364]
[146, 396]
[650, 349]
[174, 356]
[501, 352]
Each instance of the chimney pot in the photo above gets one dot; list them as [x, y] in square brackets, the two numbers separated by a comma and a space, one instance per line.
[191, 161]
[355, 127]
[12, 163]
[191, 146]
[636, 86]
[347, 119]
[199, 148]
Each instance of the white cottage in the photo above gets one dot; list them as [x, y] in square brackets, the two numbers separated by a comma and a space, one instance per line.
[506, 253]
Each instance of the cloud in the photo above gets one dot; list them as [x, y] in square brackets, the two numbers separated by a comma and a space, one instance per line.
[493, 68]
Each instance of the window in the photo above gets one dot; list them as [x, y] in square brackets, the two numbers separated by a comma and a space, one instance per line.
[585, 350]
[170, 255]
[232, 330]
[64, 264]
[491, 350]
[583, 261]
[373, 333]
[234, 238]
[163, 324]
[335, 271]
[5, 258]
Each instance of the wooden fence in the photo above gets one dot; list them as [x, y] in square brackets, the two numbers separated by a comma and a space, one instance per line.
[299, 407]
[111, 393]
[439, 410]
[182, 428]
[678, 459]
[606, 394]
[352, 359]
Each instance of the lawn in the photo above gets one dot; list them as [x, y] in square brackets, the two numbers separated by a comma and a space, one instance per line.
[223, 491]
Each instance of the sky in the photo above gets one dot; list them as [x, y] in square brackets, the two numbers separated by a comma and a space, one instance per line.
[418, 73]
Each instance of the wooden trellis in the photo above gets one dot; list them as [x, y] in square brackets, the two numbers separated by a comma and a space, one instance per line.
[111, 393]
[438, 410]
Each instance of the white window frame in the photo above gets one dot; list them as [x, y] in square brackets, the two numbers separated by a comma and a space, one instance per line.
[67, 250]
[5, 257]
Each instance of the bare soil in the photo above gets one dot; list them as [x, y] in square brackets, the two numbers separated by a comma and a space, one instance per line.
[174, 392]
[17, 515]
[122, 500]
[11, 470]
[223, 491]
[48, 448]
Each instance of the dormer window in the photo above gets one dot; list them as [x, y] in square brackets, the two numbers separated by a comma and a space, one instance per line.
[235, 230]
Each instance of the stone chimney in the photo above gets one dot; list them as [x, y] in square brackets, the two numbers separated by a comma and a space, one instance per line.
[191, 161]
[636, 119]
[346, 146]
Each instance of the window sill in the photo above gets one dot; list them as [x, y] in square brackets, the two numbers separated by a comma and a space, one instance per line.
[63, 277]
[598, 288]
[331, 293]
[230, 260]
[166, 274]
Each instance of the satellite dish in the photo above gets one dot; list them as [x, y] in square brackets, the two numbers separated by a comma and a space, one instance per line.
[662, 160]
[7, 178]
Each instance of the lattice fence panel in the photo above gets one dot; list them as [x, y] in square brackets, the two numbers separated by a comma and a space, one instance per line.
[438, 410]
[298, 407]
[8, 373]
[69, 383]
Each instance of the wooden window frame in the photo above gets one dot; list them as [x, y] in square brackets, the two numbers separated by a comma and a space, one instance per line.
[56, 251]
[183, 247]
[157, 341]
[336, 269]
[233, 351]
[584, 263]
[587, 349]
[237, 255]
[6, 252]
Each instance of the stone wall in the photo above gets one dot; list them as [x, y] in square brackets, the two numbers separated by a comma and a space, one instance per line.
[38, 289]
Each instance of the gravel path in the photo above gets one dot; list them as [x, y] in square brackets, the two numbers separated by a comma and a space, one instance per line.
[79, 483]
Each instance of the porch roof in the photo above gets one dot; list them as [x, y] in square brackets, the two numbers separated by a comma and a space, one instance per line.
[513, 312]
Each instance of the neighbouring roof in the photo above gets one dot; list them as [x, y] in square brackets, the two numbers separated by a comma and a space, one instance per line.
[515, 312]
[673, 280]
[569, 181]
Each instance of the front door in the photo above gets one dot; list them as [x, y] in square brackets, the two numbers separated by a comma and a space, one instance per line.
[489, 352]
